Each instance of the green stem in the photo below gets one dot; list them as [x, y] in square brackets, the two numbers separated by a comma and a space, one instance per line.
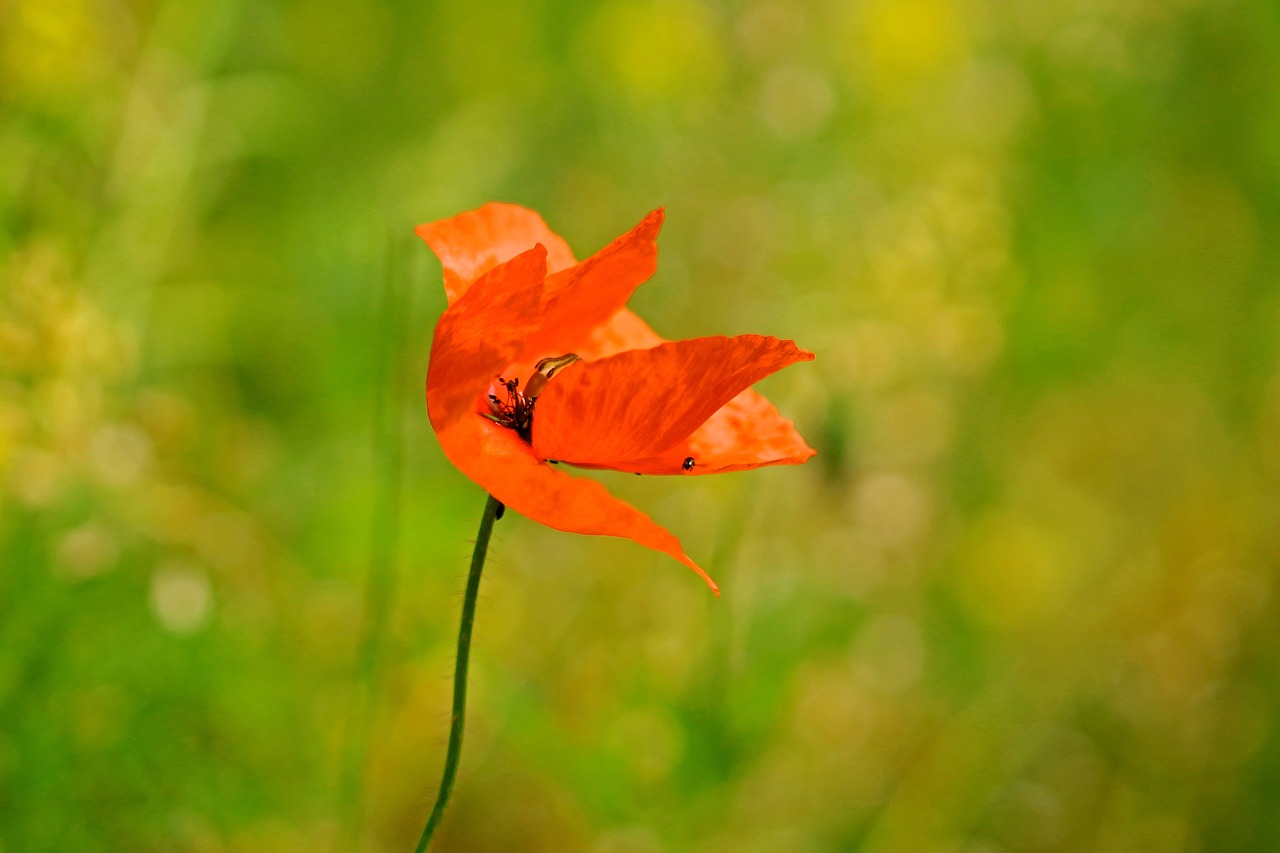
[492, 509]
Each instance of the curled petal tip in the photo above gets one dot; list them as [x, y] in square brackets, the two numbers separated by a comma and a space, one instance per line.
[684, 558]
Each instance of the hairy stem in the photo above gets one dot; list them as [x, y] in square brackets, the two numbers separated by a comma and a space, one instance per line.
[492, 509]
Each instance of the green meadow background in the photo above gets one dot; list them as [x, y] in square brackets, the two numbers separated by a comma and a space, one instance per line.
[1024, 599]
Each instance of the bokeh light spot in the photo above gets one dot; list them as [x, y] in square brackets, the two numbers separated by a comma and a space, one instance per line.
[891, 508]
[181, 597]
[657, 48]
[1014, 571]
[795, 102]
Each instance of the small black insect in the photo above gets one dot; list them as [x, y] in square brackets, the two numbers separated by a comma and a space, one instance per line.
[498, 513]
[688, 463]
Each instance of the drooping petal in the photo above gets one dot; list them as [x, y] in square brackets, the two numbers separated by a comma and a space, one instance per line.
[470, 244]
[504, 466]
[636, 404]
[747, 432]
[482, 332]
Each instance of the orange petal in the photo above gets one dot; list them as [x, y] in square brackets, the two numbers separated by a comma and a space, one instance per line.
[636, 404]
[621, 332]
[504, 466]
[483, 332]
[470, 244]
[586, 296]
[747, 432]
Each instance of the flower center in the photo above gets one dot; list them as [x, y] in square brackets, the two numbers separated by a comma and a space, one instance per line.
[516, 411]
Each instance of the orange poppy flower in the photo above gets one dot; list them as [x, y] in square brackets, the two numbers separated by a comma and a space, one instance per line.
[609, 392]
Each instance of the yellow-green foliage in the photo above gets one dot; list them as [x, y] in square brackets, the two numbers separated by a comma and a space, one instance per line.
[1023, 599]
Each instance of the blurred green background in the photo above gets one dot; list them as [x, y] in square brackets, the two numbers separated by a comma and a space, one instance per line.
[1021, 601]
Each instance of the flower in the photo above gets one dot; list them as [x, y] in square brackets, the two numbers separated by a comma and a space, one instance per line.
[609, 392]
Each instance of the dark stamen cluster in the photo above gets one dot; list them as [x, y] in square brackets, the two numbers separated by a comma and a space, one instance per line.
[515, 412]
